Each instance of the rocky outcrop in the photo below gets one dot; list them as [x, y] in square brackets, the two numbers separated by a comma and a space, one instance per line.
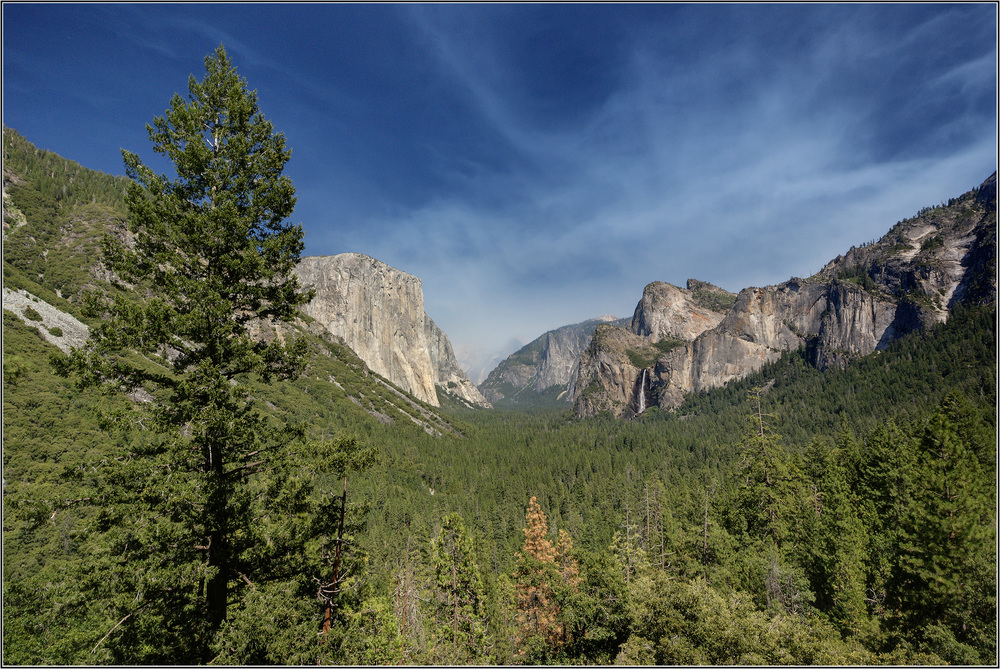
[942, 256]
[610, 373]
[448, 374]
[859, 303]
[378, 311]
[668, 312]
[542, 369]
[836, 322]
[55, 326]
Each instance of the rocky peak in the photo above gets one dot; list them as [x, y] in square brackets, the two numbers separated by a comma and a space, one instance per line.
[378, 311]
[549, 362]
[668, 312]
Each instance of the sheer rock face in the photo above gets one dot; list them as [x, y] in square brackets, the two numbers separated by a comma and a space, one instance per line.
[834, 321]
[449, 376]
[378, 311]
[859, 303]
[610, 375]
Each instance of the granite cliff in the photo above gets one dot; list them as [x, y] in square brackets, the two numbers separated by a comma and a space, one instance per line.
[858, 303]
[668, 312]
[378, 311]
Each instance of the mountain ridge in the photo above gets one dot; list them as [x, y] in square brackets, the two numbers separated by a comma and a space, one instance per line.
[858, 303]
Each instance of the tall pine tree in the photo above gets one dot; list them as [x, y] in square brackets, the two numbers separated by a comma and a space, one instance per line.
[213, 246]
[461, 623]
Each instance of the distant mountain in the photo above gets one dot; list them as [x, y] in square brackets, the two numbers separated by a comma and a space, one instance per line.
[479, 362]
[540, 372]
[861, 301]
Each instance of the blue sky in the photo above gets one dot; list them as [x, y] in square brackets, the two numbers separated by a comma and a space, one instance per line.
[538, 165]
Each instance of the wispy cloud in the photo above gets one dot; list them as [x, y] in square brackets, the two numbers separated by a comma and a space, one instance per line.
[741, 167]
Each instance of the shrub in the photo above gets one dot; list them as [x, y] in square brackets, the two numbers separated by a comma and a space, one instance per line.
[932, 243]
[714, 300]
[641, 359]
[668, 345]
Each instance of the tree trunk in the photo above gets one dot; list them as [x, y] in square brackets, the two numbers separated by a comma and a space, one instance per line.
[217, 589]
[335, 578]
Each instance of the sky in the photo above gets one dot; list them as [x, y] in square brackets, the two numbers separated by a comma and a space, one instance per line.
[538, 165]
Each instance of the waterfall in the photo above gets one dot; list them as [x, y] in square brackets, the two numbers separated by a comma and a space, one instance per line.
[642, 393]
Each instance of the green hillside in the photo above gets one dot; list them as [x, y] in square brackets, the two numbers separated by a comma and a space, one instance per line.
[838, 517]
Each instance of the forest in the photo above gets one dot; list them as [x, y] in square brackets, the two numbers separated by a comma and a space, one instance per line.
[792, 517]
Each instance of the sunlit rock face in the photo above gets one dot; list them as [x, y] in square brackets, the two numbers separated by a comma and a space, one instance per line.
[448, 375]
[857, 304]
[834, 321]
[668, 312]
[609, 375]
[620, 371]
[378, 311]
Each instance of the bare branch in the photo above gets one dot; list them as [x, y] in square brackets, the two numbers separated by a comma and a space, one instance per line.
[130, 614]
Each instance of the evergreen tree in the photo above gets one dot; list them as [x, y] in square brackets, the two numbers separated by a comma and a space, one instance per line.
[372, 637]
[768, 505]
[835, 541]
[629, 554]
[461, 628]
[180, 506]
[948, 545]
[594, 610]
[536, 531]
[768, 480]
[408, 578]
[885, 474]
